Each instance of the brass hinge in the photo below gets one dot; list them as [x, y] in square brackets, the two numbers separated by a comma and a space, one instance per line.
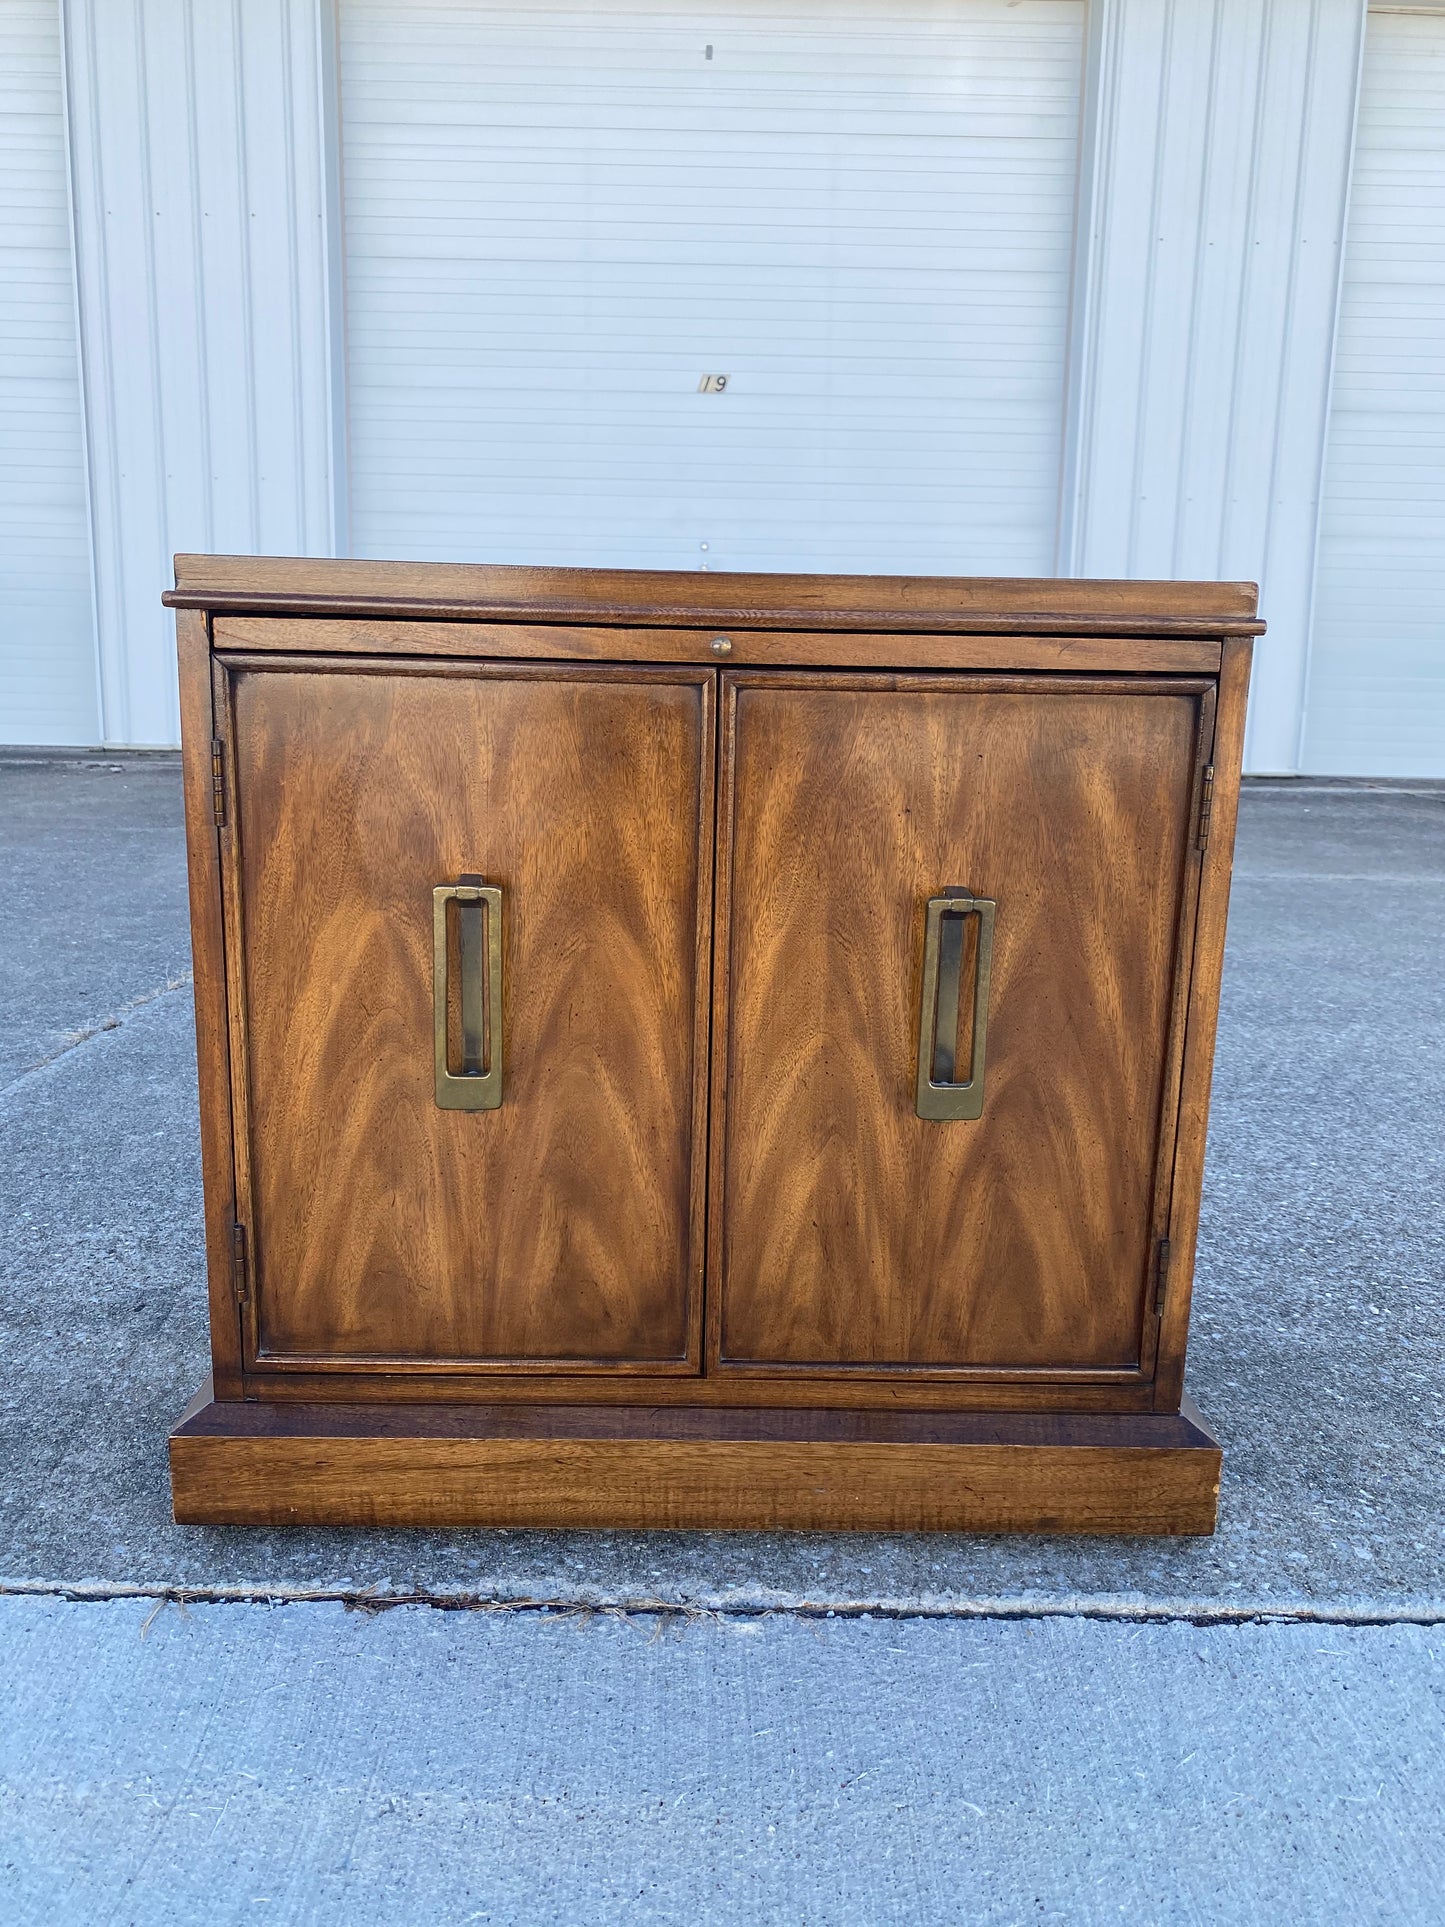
[1161, 1277]
[1206, 805]
[218, 780]
[240, 1273]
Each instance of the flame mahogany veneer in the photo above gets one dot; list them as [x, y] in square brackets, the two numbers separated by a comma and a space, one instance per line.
[705, 1263]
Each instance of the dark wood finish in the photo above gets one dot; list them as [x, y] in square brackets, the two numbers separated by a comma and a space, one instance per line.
[203, 869]
[845, 1228]
[259, 1464]
[755, 648]
[1227, 756]
[1052, 1390]
[552, 1313]
[565, 1226]
[670, 598]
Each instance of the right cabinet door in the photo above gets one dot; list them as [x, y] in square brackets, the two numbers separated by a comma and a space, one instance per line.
[1015, 1235]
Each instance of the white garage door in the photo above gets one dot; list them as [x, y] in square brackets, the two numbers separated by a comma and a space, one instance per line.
[561, 221]
[1376, 701]
[47, 651]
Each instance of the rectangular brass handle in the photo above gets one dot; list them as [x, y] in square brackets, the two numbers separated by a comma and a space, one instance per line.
[941, 1093]
[477, 1086]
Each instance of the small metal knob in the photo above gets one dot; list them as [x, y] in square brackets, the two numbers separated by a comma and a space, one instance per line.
[722, 646]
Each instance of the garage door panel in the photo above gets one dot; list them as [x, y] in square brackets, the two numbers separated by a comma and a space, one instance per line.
[559, 220]
[1376, 700]
[47, 658]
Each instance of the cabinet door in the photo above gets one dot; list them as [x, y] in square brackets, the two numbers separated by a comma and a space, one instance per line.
[850, 1233]
[389, 1228]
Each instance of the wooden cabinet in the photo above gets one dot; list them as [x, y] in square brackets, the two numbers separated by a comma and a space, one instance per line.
[703, 1050]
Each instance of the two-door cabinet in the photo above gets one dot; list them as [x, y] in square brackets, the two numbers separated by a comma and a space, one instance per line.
[687, 1050]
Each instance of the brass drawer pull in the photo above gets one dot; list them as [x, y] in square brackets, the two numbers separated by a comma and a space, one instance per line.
[941, 1094]
[477, 1084]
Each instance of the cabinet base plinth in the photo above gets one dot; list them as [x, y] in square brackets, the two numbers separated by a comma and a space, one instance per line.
[283, 1463]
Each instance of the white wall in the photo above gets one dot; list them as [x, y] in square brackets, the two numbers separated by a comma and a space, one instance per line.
[199, 185]
[1209, 265]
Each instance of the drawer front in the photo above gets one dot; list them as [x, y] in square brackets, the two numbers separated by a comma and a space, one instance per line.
[392, 1224]
[1014, 1229]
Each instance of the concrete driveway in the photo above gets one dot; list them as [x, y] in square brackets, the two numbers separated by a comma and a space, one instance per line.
[723, 1727]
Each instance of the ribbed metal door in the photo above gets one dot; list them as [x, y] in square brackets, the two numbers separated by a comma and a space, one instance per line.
[856, 216]
[1376, 698]
[47, 649]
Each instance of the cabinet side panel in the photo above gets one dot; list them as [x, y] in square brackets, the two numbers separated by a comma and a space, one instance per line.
[209, 966]
[1218, 867]
[1178, 1031]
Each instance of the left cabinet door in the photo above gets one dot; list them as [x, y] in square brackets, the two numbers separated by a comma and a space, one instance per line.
[561, 1229]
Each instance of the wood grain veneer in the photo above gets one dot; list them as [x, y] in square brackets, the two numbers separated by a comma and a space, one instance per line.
[705, 1265]
[668, 598]
[203, 872]
[822, 1471]
[1207, 970]
[845, 1228]
[773, 648]
[565, 1226]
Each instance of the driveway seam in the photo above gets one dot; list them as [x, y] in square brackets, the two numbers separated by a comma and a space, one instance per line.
[98, 1026]
[369, 1600]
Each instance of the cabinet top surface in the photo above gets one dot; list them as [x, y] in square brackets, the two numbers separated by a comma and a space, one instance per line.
[675, 598]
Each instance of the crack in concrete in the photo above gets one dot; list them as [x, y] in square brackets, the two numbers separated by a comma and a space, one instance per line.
[97, 1027]
[1429, 788]
[367, 1599]
[1359, 878]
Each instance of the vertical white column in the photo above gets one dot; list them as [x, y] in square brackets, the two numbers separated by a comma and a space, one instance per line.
[1209, 253]
[201, 241]
[48, 672]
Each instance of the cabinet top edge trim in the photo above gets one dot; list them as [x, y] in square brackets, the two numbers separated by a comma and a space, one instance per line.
[672, 598]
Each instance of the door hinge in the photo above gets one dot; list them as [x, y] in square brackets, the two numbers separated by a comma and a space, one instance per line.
[218, 780]
[1161, 1277]
[1206, 805]
[240, 1269]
